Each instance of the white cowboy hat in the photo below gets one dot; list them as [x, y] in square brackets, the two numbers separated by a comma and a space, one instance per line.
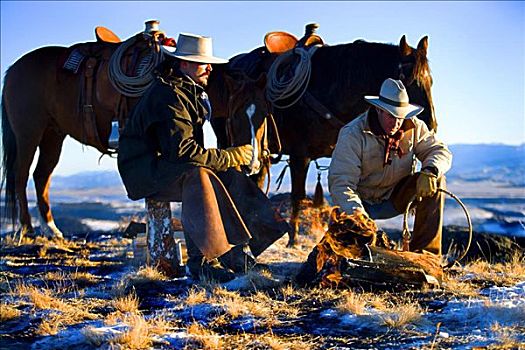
[194, 48]
[393, 98]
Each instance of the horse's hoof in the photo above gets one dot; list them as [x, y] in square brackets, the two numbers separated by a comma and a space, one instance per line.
[50, 230]
[291, 243]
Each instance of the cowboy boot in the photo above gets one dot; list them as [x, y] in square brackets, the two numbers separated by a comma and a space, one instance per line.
[238, 259]
[200, 268]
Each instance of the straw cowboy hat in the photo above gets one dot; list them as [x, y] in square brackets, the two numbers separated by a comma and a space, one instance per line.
[393, 98]
[194, 48]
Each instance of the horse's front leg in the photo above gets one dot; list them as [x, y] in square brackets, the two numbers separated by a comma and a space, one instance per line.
[298, 171]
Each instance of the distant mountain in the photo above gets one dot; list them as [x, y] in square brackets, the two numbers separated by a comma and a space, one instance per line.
[87, 180]
[495, 162]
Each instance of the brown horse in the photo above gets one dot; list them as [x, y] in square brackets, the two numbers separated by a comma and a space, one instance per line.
[340, 76]
[236, 129]
[52, 92]
[42, 103]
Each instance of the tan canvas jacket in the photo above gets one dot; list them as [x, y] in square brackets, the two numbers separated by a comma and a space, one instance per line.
[356, 172]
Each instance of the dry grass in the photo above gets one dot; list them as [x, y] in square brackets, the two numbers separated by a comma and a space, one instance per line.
[128, 303]
[41, 298]
[69, 311]
[8, 312]
[159, 325]
[137, 336]
[232, 302]
[288, 291]
[501, 273]
[506, 337]
[12, 241]
[352, 302]
[196, 296]
[261, 280]
[144, 276]
[51, 325]
[458, 287]
[402, 314]
[202, 338]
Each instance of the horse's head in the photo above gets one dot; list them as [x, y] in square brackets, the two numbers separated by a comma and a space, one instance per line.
[240, 112]
[248, 112]
[414, 71]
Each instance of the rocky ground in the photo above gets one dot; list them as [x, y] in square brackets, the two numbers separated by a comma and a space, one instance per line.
[91, 291]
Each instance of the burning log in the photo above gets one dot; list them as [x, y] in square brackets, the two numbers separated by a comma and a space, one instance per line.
[354, 253]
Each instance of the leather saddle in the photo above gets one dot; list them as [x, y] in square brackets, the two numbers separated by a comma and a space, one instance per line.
[90, 62]
[280, 42]
[106, 35]
[255, 62]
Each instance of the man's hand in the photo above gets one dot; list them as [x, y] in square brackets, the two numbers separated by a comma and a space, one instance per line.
[426, 185]
[241, 155]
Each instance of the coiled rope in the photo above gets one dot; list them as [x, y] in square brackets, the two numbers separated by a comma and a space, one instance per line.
[407, 235]
[289, 76]
[132, 86]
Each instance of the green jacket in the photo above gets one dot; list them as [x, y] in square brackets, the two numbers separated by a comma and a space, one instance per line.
[163, 138]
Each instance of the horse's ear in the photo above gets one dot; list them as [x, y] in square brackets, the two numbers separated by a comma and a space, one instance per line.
[261, 81]
[423, 45]
[404, 49]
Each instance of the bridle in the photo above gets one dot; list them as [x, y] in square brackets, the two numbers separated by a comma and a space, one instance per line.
[268, 122]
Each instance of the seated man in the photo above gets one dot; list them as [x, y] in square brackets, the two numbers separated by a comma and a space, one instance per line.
[371, 168]
[162, 159]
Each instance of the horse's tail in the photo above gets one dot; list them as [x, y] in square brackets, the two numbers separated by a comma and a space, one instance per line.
[7, 175]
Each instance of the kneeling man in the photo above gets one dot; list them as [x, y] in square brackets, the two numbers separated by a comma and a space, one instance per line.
[372, 165]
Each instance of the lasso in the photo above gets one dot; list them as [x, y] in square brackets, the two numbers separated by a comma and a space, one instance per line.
[281, 84]
[407, 235]
[132, 86]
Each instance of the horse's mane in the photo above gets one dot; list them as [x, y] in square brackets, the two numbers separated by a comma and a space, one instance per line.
[360, 62]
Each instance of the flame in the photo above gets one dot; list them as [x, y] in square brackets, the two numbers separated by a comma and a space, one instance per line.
[345, 239]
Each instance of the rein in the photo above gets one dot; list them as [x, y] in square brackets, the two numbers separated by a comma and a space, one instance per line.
[268, 122]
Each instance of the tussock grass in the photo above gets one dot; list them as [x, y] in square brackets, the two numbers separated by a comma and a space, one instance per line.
[51, 325]
[352, 302]
[128, 303]
[506, 337]
[232, 302]
[261, 280]
[202, 338]
[144, 276]
[458, 287]
[159, 325]
[69, 311]
[137, 335]
[41, 298]
[12, 241]
[8, 312]
[402, 314]
[501, 273]
[287, 291]
[42, 252]
[196, 296]
[269, 340]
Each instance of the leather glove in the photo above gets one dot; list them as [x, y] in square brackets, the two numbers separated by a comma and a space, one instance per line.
[236, 156]
[426, 184]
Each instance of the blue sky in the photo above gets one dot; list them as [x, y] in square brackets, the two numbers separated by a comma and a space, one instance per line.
[476, 49]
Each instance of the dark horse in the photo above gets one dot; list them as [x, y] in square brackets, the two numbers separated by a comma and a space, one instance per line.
[340, 76]
[42, 103]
